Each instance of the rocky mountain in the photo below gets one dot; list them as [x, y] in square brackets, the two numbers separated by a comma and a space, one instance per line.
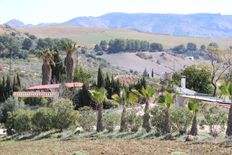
[198, 25]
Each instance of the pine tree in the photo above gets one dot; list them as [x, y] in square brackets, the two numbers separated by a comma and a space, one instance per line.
[100, 79]
[80, 75]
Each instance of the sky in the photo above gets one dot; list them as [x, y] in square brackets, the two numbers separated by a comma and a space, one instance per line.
[51, 11]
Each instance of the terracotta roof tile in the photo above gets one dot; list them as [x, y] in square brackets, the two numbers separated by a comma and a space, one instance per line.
[55, 86]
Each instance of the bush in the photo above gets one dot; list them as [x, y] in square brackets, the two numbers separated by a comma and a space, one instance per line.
[9, 105]
[19, 120]
[34, 101]
[64, 114]
[180, 49]
[87, 118]
[111, 120]
[181, 119]
[157, 117]
[42, 120]
[215, 119]
[133, 121]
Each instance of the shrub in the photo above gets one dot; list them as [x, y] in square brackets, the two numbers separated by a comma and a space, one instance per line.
[9, 105]
[79, 153]
[181, 119]
[87, 118]
[64, 114]
[42, 120]
[215, 119]
[111, 120]
[133, 121]
[19, 120]
[157, 117]
[33, 101]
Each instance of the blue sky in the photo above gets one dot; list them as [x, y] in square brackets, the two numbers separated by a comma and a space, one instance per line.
[44, 11]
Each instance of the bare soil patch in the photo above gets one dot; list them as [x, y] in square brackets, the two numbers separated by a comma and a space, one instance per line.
[110, 147]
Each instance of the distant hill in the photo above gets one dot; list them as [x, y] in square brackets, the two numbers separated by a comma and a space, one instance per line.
[197, 25]
[15, 23]
[91, 36]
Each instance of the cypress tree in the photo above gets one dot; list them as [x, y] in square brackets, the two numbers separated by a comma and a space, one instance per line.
[2, 90]
[117, 87]
[16, 83]
[8, 87]
[152, 73]
[145, 73]
[100, 79]
[143, 82]
[108, 86]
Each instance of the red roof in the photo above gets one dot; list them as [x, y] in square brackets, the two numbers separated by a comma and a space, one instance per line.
[55, 86]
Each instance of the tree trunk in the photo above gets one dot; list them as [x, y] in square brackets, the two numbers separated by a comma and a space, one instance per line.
[146, 122]
[146, 118]
[69, 67]
[214, 89]
[99, 117]
[46, 73]
[123, 120]
[229, 122]
[166, 125]
[146, 107]
[194, 130]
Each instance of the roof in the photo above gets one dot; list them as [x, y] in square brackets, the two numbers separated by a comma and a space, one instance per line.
[56, 86]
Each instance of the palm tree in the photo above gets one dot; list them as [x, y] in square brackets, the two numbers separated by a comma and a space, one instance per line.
[168, 101]
[145, 95]
[70, 47]
[194, 105]
[99, 96]
[229, 122]
[46, 55]
[124, 99]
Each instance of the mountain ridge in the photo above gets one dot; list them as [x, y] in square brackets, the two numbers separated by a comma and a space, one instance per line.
[196, 25]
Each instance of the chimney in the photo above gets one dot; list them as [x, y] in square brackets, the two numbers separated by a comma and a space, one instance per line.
[183, 81]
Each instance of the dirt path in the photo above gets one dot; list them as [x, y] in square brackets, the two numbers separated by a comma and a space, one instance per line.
[110, 147]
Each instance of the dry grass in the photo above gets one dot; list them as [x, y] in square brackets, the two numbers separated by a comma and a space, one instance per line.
[109, 147]
[90, 36]
[160, 64]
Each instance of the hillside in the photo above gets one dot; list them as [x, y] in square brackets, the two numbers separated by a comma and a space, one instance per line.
[197, 25]
[91, 36]
[157, 61]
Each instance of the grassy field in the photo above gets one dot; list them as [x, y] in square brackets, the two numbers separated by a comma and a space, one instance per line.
[93, 146]
[91, 36]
